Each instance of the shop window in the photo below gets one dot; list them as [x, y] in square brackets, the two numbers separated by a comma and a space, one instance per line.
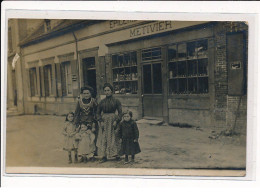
[151, 54]
[188, 68]
[66, 79]
[33, 81]
[124, 67]
[48, 80]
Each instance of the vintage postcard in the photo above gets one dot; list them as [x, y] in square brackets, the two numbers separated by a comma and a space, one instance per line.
[126, 97]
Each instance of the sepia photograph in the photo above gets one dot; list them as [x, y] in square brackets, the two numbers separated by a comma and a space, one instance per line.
[126, 97]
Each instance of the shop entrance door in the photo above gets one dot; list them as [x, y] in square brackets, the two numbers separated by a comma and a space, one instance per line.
[152, 90]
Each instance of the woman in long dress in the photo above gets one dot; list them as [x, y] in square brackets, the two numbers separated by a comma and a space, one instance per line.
[107, 141]
[86, 109]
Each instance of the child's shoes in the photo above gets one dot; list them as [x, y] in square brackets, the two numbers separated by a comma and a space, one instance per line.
[70, 160]
[81, 160]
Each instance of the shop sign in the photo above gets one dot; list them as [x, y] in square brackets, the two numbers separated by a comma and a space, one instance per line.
[120, 23]
[236, 65]
[151, 28]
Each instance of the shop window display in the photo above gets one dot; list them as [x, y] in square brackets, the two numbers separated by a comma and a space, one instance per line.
[188, 67]
[124, 67]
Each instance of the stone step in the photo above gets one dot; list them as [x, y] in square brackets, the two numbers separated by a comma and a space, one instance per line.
[150, 121]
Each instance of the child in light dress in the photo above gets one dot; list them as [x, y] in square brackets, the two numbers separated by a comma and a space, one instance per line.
[69, 132]
[86, 143]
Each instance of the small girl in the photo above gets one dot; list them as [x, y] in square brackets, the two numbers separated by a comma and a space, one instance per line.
[69, 132]
[86, 144]
[128, 132]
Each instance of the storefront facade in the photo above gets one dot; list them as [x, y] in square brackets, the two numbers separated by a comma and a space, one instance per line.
[181, 72]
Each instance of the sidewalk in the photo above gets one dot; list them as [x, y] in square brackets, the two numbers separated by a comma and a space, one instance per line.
[36, 140]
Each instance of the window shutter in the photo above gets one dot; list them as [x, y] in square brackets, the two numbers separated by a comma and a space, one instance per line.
[75, 78]
[63, 80]
[32, 85]
[46, 81]
[42, 81]
[28, 83]
[54, 79]
[59, 75]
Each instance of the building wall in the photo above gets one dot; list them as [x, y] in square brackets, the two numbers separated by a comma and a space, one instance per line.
[215, 110]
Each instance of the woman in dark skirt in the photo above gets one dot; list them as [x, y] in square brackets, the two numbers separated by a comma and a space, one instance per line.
[107, 141]
[128, 132]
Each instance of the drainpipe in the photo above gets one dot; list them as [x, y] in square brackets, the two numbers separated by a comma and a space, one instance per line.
[78, 62]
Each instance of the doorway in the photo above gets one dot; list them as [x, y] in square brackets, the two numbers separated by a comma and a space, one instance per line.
[89, 73]
[152, 90]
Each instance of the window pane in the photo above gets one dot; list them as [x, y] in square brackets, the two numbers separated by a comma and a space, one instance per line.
[173, 86]
[126, 59]
[191, 47]
[182, 85]
[203, 67]
[114, 61]
[192, 85]
[182, 68]
[202, 48]
[172, 52]
[192, 68]
[150, 54]
[134, 87]
[147, 76]
[157, 78]
[115, 75]
[134, 73]
[133, 58]
[203, 84]
[182, 52]
[116, 87]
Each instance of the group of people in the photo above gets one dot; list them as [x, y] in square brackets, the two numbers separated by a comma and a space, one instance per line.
[100, 129]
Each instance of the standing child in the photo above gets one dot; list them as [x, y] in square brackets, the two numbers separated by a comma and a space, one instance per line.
[128, 132]
[69, 132]
[86, 143]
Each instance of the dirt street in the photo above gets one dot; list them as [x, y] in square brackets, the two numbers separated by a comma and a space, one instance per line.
[36, 140]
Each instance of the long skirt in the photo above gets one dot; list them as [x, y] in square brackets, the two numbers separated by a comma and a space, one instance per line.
[107, 142]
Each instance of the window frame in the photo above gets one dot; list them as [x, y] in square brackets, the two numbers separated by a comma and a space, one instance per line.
[125, 62]
[175, 78]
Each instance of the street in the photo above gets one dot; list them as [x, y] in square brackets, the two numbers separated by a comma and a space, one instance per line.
[36, 140]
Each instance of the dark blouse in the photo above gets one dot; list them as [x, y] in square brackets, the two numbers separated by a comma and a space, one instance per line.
[85, 111]
[128, 130]
[109, 105]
